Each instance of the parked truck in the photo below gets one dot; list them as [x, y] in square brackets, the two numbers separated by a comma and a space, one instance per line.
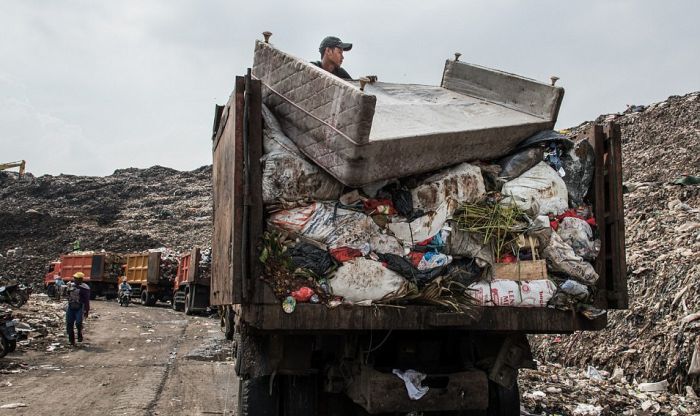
[149, 279]
[101, 270]
[191, 285]
[338, 361]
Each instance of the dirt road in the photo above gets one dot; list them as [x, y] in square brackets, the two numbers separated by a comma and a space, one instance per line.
[134, 361]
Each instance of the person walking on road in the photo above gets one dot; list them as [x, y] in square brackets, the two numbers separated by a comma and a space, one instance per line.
[77, 308]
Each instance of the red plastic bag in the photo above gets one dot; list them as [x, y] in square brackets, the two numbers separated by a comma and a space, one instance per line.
[303, 294]
[343, 254]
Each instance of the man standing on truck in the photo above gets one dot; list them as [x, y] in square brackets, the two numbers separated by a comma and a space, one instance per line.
[77, 308]
[331, 50]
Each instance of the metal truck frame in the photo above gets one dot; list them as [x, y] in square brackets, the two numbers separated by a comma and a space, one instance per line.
[318, 361]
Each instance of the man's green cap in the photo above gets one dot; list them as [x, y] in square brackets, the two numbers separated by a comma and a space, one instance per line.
[334, 42]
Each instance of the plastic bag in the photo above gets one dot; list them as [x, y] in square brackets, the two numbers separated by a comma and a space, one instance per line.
[341, 228]
[431, 260]
[310, 257]
[293, 219]
[578, 163]
[421, 228]
[465, 244]
[562, 258]
[533, 293]
[362, 279]
[461, 183]
[577, 233]
[516, 164]
[538, 191]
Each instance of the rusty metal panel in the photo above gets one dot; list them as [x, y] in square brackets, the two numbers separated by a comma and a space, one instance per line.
[228, 191]
[616, 265]
[193, 264]
[381, 392]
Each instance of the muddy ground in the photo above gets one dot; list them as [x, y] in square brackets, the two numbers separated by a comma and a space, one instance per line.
[134, 361]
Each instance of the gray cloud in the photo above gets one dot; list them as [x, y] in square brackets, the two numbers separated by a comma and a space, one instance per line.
[89, 87]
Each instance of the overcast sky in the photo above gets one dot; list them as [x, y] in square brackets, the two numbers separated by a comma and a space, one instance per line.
[87, 87]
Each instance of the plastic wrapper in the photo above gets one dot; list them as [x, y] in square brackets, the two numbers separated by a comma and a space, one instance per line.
[562, 258]
[533, 293]
[578, 234]
[518, 163]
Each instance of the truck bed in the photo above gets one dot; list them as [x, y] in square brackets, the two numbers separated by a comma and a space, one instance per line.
[238, 225]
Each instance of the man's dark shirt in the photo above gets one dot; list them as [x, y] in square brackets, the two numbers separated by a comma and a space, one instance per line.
[338, 72]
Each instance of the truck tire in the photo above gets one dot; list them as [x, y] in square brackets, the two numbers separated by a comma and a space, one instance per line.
[300, 395]
[228, 323]
[503, 401]
[188, 304]
[4, 346]
[51, 291]
[150, 299]
[257, 398]
[143, 297]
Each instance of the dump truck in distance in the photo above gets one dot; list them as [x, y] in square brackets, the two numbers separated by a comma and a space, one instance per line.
[149, 279]
[300, 356]
[191, 285]
[101, 271]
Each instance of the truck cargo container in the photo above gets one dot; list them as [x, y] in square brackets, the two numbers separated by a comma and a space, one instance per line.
[101, 270]
[338, 361]
[148, 282]
[191, 286]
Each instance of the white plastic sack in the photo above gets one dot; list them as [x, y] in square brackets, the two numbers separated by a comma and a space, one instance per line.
[578, 234]
[461, 183]
[538, 191]
[533, 293]
[362, 279]
[341, 228]
[287, 175]
[386, 244]
[462, 243]
[422, 228]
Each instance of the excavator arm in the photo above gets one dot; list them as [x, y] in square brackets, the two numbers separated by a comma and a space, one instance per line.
[10, 165]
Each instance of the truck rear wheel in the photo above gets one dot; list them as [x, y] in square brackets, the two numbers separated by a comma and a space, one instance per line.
[150, 299]
[51, 291]
[256, 397]
[188, 304]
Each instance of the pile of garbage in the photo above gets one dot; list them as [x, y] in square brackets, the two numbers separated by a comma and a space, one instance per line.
[42, 320]
[205, 263]
[658, 337]
[130, 211]
[514, 232]
[169, 260]
[556, 390]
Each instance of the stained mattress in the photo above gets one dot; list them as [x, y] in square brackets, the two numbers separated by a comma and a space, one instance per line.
[394, 130]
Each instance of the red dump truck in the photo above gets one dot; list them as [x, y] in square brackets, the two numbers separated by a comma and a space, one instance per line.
[191, 285]
[339, 361]
[150, 276]
[101, 271]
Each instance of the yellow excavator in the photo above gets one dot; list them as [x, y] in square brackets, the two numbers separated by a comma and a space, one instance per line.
[10, 165]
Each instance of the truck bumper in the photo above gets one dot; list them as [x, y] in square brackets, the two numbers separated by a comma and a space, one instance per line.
[381, 392]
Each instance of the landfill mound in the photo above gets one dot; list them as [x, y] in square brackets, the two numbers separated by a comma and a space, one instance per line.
[131, 210]
[657, 337]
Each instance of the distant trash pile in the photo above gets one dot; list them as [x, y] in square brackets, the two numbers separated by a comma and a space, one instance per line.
[512, 232]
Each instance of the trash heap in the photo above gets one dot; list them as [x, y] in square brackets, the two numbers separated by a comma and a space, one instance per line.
[513, 232]
[205, 263]
[658, 337]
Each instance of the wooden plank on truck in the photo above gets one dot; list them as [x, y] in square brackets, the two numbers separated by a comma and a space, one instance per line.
[521, 270]
[192, 263]
[616, 283]
[227, 187]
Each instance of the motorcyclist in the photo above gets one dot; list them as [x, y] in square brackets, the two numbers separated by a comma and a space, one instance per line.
[124, 288]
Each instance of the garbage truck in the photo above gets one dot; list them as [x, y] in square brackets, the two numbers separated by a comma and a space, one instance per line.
[191, 285]
[101, 271]
[151, 275]
[307, 344]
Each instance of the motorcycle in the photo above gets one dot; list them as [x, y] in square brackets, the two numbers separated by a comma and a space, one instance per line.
[124, 298]
[14, 294]
[8, 334]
